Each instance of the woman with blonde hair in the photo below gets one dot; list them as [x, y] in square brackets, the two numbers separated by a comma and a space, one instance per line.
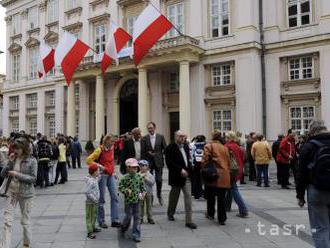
[21, 168]
[218, 154]
[104, 157]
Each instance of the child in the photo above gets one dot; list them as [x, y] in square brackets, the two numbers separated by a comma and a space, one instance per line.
[132, 186]
[92, 199]
[149, 181]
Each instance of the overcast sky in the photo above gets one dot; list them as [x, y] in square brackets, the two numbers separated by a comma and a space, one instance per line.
[2, 40]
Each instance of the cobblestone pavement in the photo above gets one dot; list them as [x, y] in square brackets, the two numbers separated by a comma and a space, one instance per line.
[58, 221]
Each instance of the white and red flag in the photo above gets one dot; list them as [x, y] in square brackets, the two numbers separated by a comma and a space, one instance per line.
[46, 60]
[69, 53]
[118, 38]
[149, 27]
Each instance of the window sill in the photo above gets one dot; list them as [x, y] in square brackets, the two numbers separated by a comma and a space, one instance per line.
[301, 81]
[299, 28]
[16, 36]
[52, 24]
[220, 88]
[226, 37]
[34, 30]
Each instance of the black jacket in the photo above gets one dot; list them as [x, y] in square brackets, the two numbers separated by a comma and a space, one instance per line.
[44, 149]
[275, 148]
[158, 159]
[306, 157]
[128, 152]
[175, 164]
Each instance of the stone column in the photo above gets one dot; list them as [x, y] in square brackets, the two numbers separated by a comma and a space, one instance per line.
[115, 115]
[5, 116]
[59, 108]
[71, 111]
[83, 110]
[99, 107]
[184, 97]
[143, 97]
[22, 113]
[41, 112]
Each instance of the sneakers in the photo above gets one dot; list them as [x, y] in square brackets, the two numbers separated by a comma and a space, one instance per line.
[151, 221]
[209, 217]
[96, 230]
[242, 215]
[170, 218]
[91, 236]
[191, 225]
[115, 224]
[161, 201]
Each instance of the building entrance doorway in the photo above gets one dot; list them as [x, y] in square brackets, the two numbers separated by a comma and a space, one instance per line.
[174, 124]
[128, 106]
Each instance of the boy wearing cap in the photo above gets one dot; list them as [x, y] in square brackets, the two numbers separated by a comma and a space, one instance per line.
[132, 186]
[92, 199]
[149, 181]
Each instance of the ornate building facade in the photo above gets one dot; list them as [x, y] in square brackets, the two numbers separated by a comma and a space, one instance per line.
[230, 70]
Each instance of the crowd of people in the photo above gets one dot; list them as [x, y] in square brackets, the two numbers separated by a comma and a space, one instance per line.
[200, 169]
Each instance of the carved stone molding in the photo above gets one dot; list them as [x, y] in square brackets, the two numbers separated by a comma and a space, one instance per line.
[17, 36]
[52, 24]
[73, 11]
[35, 30]
[24, 14]
[8, 19]
[51, 37]
[43, 6]
[125, 3]
[94, 3]
[32, 42]
[14, 48]
[73, 27]
[101, 18]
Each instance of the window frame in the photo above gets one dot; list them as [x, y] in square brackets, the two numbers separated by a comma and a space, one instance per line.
[222, 120]
[33, 18]
[52, 11]
[100, 45]
[299, 14]
[33, 130]
[220, 15]
[72, 4]
[301, 68]
[301, 118]
[50, 98]
[16, 122]
[222, 75]
[14, 103]
[32, 100]
[51, 129]
[15, 24]
[16, 67]
[172, 33]
[33, 63]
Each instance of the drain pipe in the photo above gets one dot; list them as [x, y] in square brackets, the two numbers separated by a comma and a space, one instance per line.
[263, 69]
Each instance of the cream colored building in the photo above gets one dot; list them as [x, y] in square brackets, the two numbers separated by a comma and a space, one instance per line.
[219, 74]
[2, 79]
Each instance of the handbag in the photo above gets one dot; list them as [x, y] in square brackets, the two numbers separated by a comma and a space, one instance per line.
[5, 186]
[209, 171]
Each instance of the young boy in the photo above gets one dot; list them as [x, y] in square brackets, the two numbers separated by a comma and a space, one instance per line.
[132, 186]
[149, 181]
[92, 199]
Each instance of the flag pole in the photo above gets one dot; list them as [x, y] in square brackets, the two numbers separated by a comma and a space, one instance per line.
[166, 18]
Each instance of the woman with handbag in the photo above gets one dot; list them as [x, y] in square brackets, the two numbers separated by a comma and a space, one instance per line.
[216, 155]
[22, 169]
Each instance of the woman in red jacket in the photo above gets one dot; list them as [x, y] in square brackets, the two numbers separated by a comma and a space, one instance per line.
[238, 154]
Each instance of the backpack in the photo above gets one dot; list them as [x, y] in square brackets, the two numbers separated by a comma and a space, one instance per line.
[209, 172]
[198, 152]
[233, 167]
[44, 150]
[320, 167]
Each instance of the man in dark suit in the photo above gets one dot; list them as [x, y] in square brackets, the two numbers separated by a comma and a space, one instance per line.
[177, 157]
[132, 149]
[152, 148]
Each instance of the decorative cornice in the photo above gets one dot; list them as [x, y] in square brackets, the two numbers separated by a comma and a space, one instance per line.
[94, 3]
[31, 42]
[51, 36]
[227, 100]
[52, 24]
[73, 26]
[73, 11]
[222, 88]
[17, 36]
[24, 13]
[5, 3]
[8, 19]
[14, 47]
[125, 3]
[301, 96]
[35, 30]
[103, 17]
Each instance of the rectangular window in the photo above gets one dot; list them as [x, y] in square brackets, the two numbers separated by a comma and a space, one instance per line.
[130, 28]
[50, 97]
[33, 126]
[76, 94]
[175, 13]
[14, 102]
[32, 100]
[100, 39]
[52, 8]
[33, 18]
[173, 85]
[301, 68]
[15, 125]
[71, 4]
[299, 12]
[16, 24]
[51, 126]
[16, 61]
[219, 13]
[301, 117]
[33, 65]
[222, 120]
[221, 74]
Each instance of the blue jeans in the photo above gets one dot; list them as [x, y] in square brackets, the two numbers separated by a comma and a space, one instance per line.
[319, 216]
[234, 193]
[110, 183]
[132, 210]
[262, 171]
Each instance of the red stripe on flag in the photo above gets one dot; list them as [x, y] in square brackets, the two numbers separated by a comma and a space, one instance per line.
[72, 59]
[149, 37]
[105, 63]
[49, 61]
[121, 38]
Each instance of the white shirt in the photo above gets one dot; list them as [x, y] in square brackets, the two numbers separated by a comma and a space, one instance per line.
[137, 147]
[153, 141]
[184, 155]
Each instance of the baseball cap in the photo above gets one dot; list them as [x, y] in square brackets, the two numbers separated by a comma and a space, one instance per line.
[132, 162]
[143, 163]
